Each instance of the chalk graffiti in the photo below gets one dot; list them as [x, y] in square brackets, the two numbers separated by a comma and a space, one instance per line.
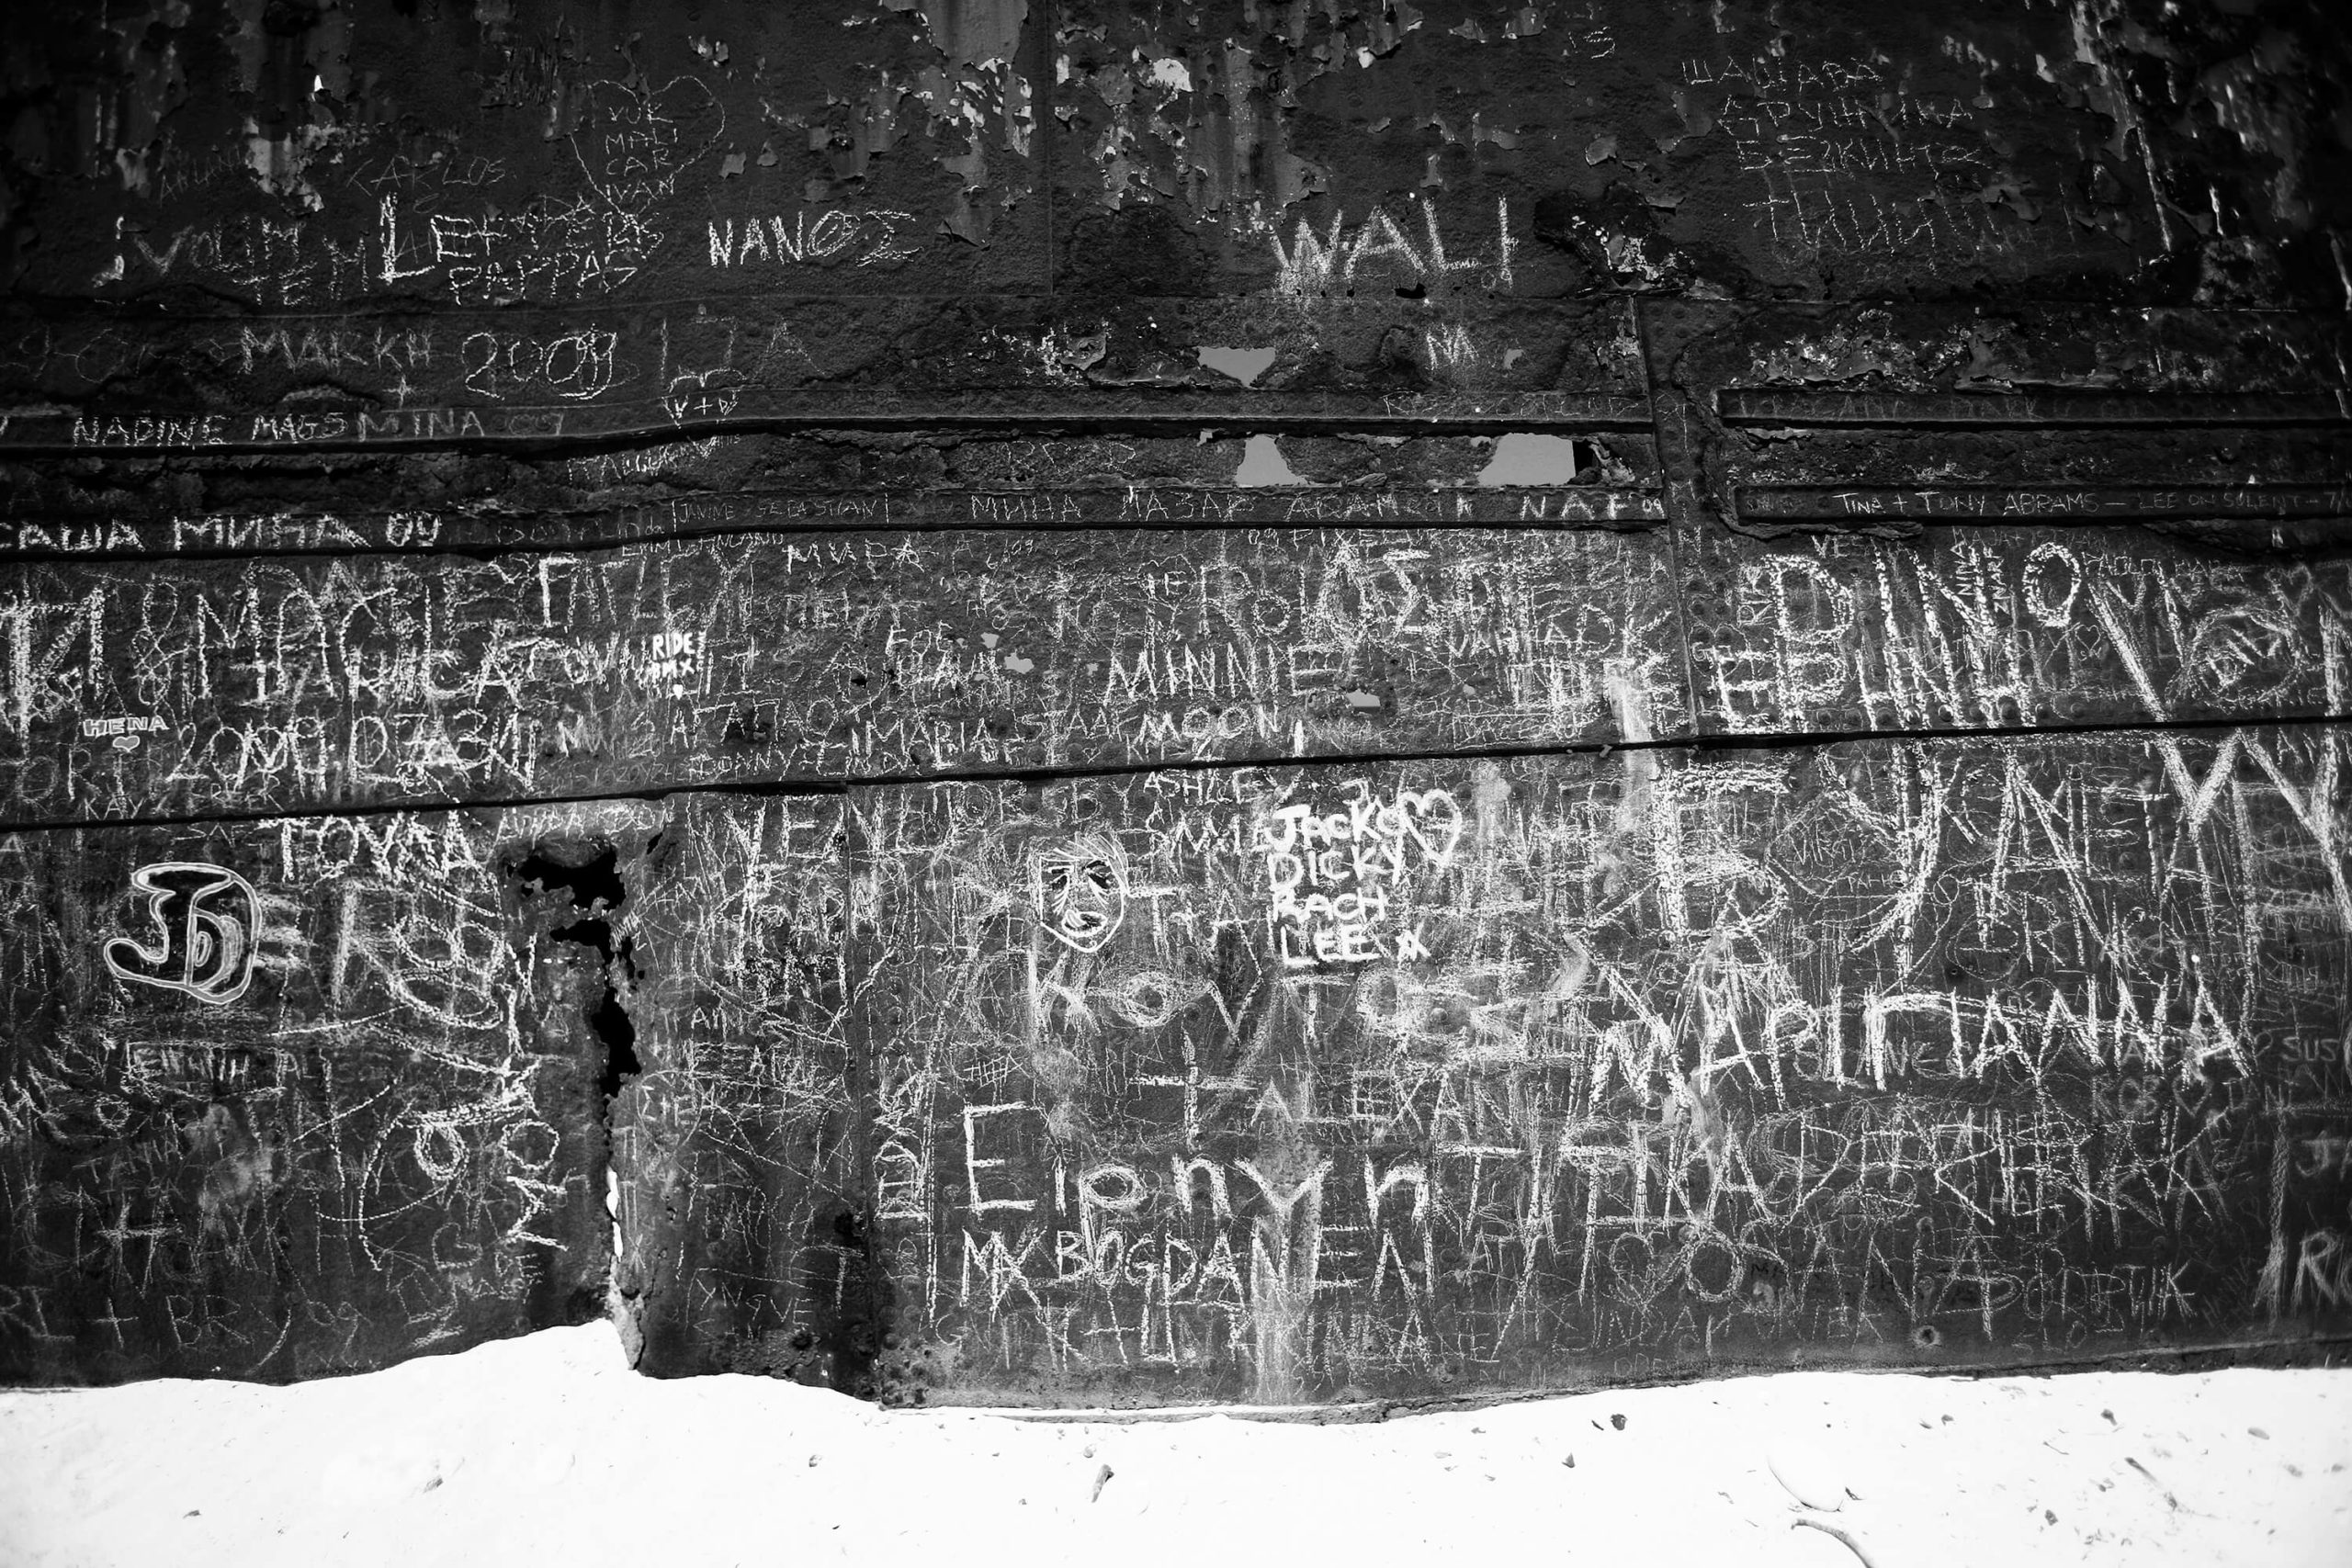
[1081, 891]
[1735, 1051]
[1204, 919]
[379, 1155]
[125, 730]
[638, 139]
[1334, 876]
[672, 663]
[207, 923]
[864, 237]
[1378, 247]
[285, 680]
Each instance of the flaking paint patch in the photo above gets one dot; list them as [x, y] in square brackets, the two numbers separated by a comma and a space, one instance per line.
[2111, 96]
[1211, 125]
[282, 163]
[1262, 463]
[1522, 457]
[2246, 103]
[976, 87]
[1244, 365]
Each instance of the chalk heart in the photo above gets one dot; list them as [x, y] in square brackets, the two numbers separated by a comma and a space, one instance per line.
[637, 139]
[1434, 819]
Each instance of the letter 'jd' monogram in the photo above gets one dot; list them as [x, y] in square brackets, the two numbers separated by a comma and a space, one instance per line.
[206, 920]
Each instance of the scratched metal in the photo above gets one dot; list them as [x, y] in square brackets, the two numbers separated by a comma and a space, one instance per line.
[300, 683]
[370, 155]
[244, 533]
[1880, 529]
[373, 154]
[291, 1098]
[527, 379]
[2004, 627]
[2012, 505]
[1814, 147]
[2126, 409]
[1333, 1083]
[404, 405]
[122, 505]
[2018, 405]
[739, 1197]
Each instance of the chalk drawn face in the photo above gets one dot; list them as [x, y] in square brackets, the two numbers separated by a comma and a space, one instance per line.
[205, 920]
[1082, 890]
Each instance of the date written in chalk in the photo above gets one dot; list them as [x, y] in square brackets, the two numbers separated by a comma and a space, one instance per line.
[2004, 504]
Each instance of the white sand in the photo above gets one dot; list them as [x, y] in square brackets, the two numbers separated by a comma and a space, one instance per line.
[548, 1449]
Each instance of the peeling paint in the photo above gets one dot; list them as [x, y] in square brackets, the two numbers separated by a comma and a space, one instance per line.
[1262, 463]
[1244, 365]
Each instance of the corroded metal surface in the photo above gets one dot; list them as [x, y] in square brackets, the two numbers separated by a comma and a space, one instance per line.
[1340, 1083]
[291, 1098]
[1112, 703]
